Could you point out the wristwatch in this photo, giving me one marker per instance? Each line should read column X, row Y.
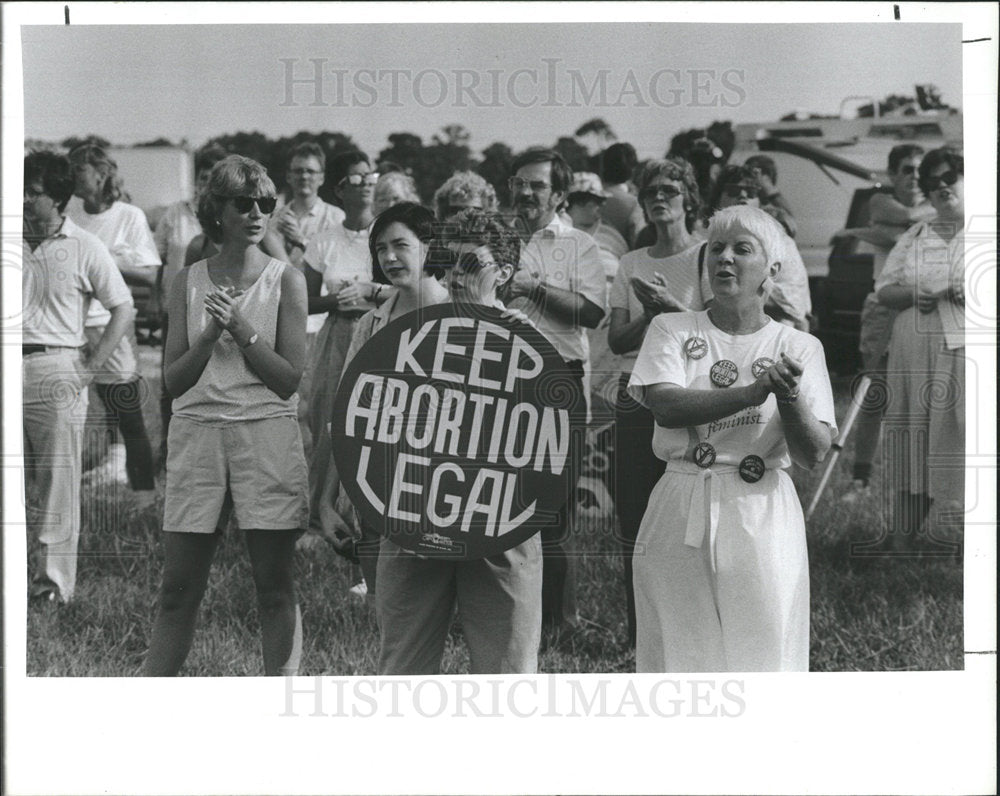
column 251, row 341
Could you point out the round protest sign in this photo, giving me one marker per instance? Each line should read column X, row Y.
column 451, row 432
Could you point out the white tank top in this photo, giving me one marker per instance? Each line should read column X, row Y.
column 228, row 389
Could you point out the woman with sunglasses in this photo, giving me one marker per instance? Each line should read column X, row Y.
column 399, row 245
column 234, row 357
column 341, row 285
column 924, row 278
column 666, row 277
column 789, row 302
column 499, row 598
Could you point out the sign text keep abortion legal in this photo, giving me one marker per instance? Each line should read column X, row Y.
column 451, row 431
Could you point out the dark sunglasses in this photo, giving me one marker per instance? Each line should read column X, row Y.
column 735, row 190
column 654, row 191
column 357, row 180
column 932, row 183
column 244, row 204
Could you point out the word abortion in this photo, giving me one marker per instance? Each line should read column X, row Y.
column 437, row 428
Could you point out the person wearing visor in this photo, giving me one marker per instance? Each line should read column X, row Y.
column 722, row 582
column 924, row 279
column 234, row 359
column 583, row 205
column 498, row 598
column 790, row 302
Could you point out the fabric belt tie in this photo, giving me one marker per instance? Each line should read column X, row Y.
column 703, row 515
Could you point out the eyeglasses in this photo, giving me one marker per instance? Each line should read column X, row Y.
column 244, row 204
column 357, row 180
column 735, row 190
column 908, row 171
column 304, row 172
column 517, row 184
column 934, row 182
column 466, row 261
column 655, row 191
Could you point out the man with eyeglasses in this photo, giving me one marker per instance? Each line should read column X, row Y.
column 560, row 285
column 306, row 214
column 890, row 214
column 64, row 269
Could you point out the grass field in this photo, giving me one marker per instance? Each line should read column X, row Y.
column 868, row 613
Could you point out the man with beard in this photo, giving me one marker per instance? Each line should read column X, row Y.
column 559, row 284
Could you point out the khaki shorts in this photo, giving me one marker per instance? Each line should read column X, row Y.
column 255, row 466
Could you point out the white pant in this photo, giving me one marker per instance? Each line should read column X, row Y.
column 55, row 409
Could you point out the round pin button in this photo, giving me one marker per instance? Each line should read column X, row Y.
column 695, row 347
column 704, row 454
column 723, row 373
column 760, row 366
column 751, row 469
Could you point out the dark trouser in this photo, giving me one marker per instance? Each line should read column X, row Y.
column 166, row 401
column 123, row 407
column 636, row 472
column 558, row 563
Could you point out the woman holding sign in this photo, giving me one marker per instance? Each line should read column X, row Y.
column 398, row 242
column 721, row 574
column 234, row 355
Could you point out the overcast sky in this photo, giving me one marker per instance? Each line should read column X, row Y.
column 522, row 84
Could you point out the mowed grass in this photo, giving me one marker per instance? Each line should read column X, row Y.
column 869, row 613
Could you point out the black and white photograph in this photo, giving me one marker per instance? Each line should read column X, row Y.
column 531, row 365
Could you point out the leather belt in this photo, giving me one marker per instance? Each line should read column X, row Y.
column 27, row 349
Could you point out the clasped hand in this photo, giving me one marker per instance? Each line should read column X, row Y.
column 782, row 378
column 226, row 314
column 654, row 295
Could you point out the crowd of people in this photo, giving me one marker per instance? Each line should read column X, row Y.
column 696, row 278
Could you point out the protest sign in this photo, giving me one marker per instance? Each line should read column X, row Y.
column 451, row 431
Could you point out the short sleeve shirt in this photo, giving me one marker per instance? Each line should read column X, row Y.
column 924, row 260
column 58, row 281
column 321, row 217
column 124, row 230
column 569, row 259
column 340, row 255
column 685, row 280
column 687, row 350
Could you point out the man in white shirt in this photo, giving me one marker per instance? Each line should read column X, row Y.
column 64, row 267
column 560, row 286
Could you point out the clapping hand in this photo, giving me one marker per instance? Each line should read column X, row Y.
column 352, row 292
column 289, row 228
column 654, row 295
column 222, row 308
column 784, row 377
